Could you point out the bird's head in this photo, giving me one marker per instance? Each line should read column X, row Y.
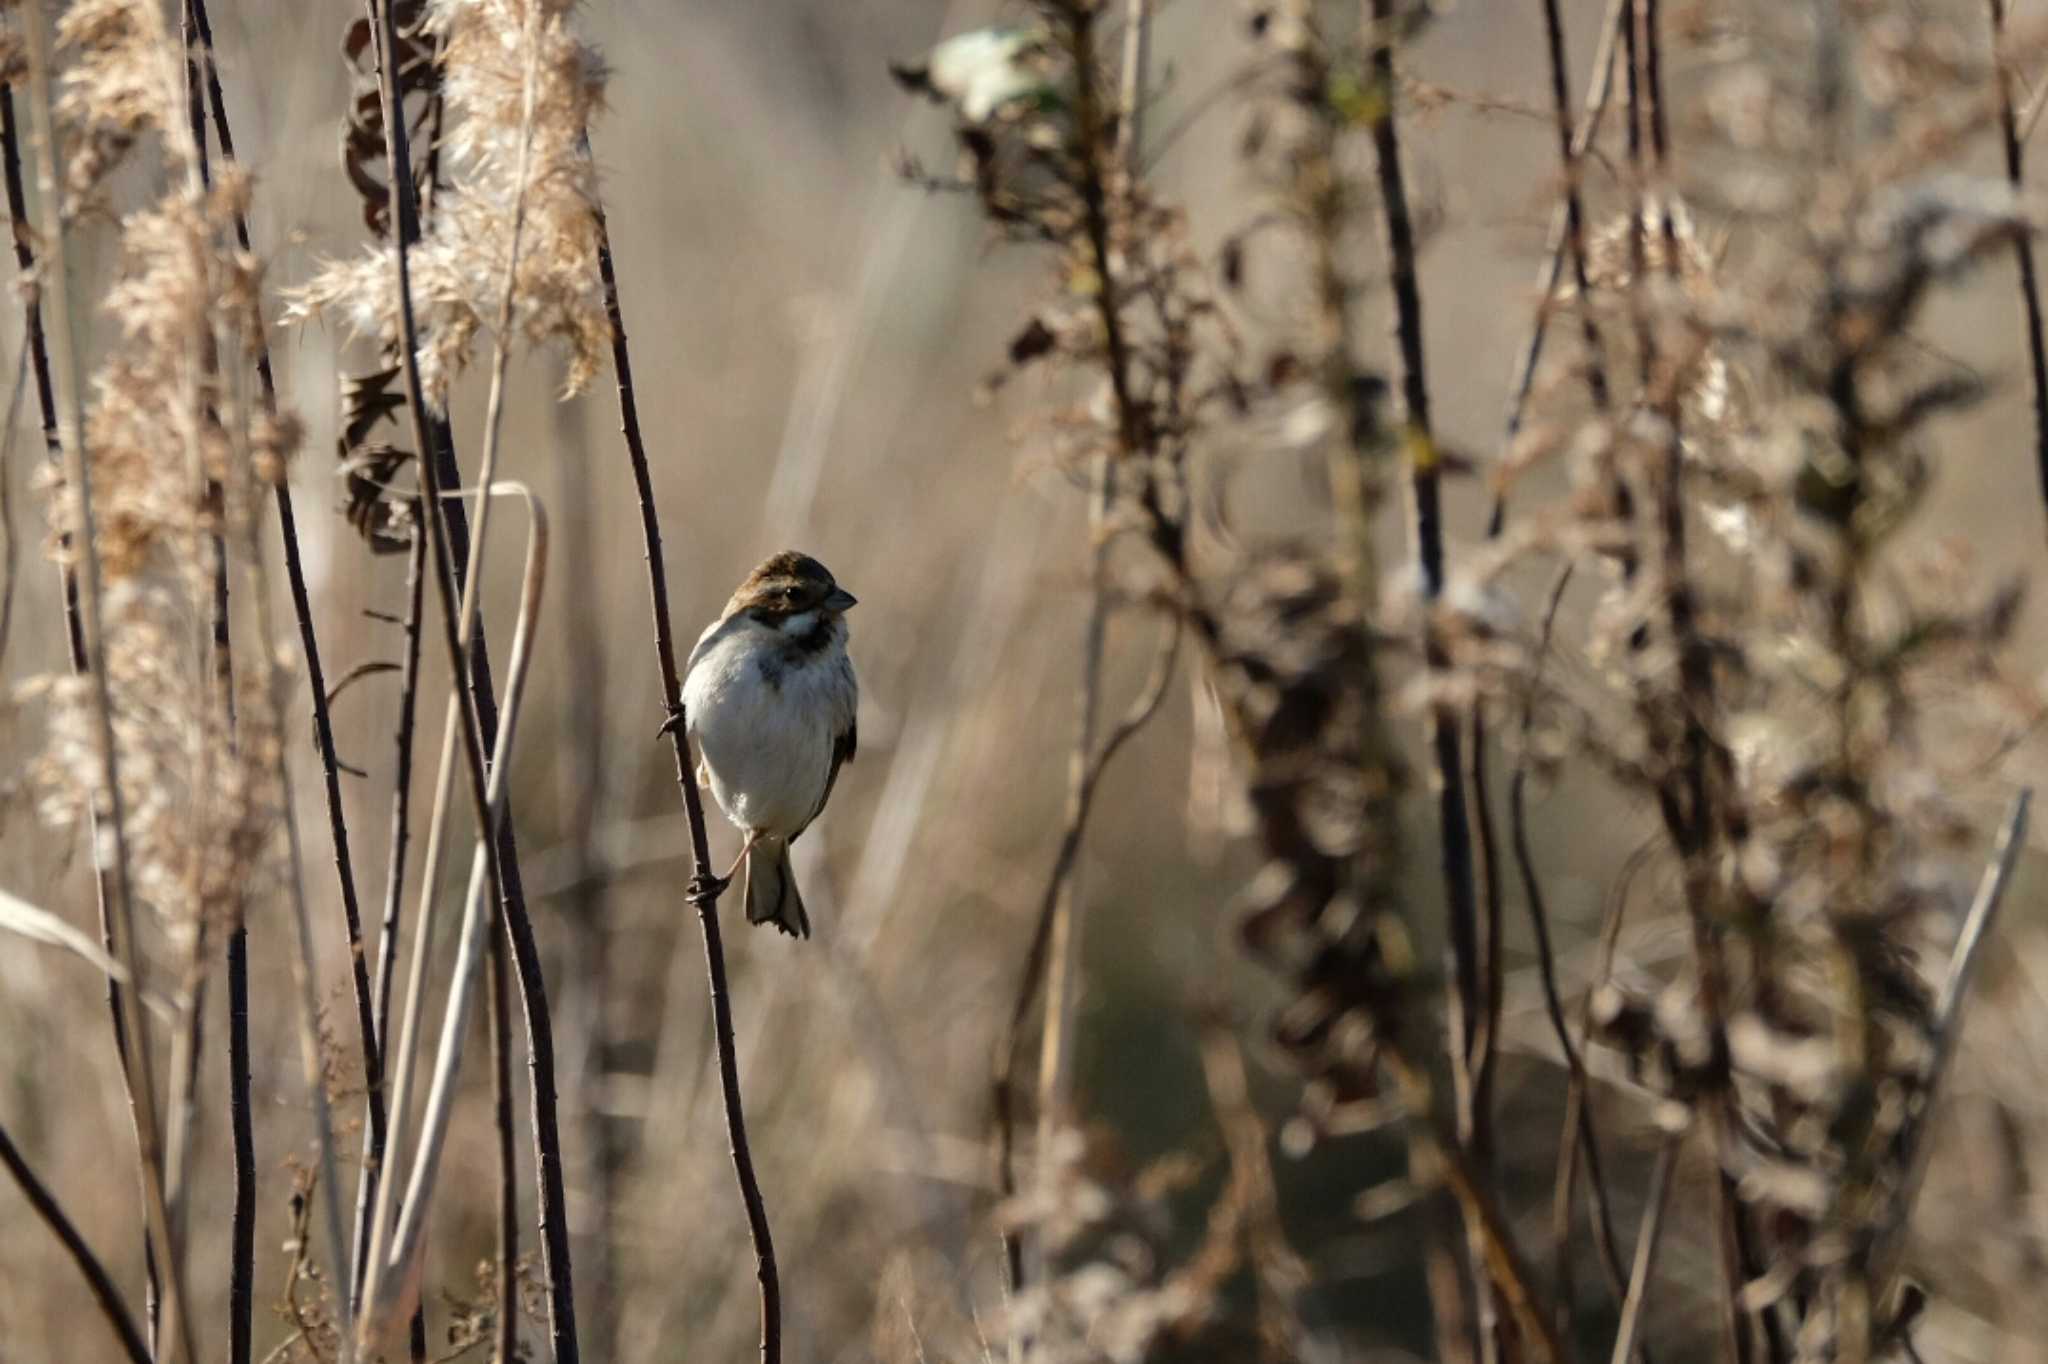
column 791, row 592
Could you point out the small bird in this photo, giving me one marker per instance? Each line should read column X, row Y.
column 769, row 698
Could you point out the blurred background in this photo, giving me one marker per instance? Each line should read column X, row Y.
column 809, row 335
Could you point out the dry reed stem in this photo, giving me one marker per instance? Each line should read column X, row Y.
column 271, row 683
column 120, row 908
column 456, row 719
column 35, row 345
column 2012, row 145
column 1418, row 443
column 309, row 643
column 7, row 528
column 703, row 890
column 394, row 875
column 242, row 1262
column 395, row 1252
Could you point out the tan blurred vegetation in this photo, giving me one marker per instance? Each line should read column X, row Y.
column 810, row 334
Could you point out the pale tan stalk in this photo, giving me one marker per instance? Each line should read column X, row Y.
column 408, row 1037
column 176, row 1330
column 392, row 1273
column 183, row 1073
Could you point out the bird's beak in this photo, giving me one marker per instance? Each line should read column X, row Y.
column 841, row 600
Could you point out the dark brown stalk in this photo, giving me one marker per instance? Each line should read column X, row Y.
column 32, row 327
column 447, row 535
column 702, row 893
column 201, row 27
column 61, row 1226
column 1567, row 229
column 242, row 1224
column 394, row 885
column 506, row 1347
column 2022, row 245
column 1453, row 819
column 224, row 685
column 581, row 760
column 1492, row 951
column 1429, row 530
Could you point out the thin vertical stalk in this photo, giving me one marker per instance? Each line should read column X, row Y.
column 506, row 1348
column 1419, row 442
column 703, row 894
column 394, row 882
column 1567, row 228
column 242, row 1224
column 269, row 684
column 77, row 491
column 302, row 611
column 2022, row 244
column 186, row 1048
column 242, row 1269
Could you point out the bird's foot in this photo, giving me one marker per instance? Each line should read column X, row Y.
column 673, row 723
column 705, row 889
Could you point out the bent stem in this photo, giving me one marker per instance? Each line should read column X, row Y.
column 394, row 885
column 394, row 1255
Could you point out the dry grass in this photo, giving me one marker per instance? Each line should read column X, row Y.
column 1317, row 1096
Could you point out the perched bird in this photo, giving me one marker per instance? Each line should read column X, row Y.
column 769, row 698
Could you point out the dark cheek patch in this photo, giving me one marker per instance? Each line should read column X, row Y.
column 817, row 639
column 772, row 668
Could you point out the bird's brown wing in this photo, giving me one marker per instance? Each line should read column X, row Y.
column 843, row 746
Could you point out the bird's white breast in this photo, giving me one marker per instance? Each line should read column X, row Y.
column 764, row 718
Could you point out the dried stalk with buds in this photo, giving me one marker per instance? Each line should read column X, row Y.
column 703, row 890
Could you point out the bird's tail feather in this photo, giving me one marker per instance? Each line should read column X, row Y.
column 771, row 889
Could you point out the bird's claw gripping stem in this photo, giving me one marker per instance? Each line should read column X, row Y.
column 705, row 889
